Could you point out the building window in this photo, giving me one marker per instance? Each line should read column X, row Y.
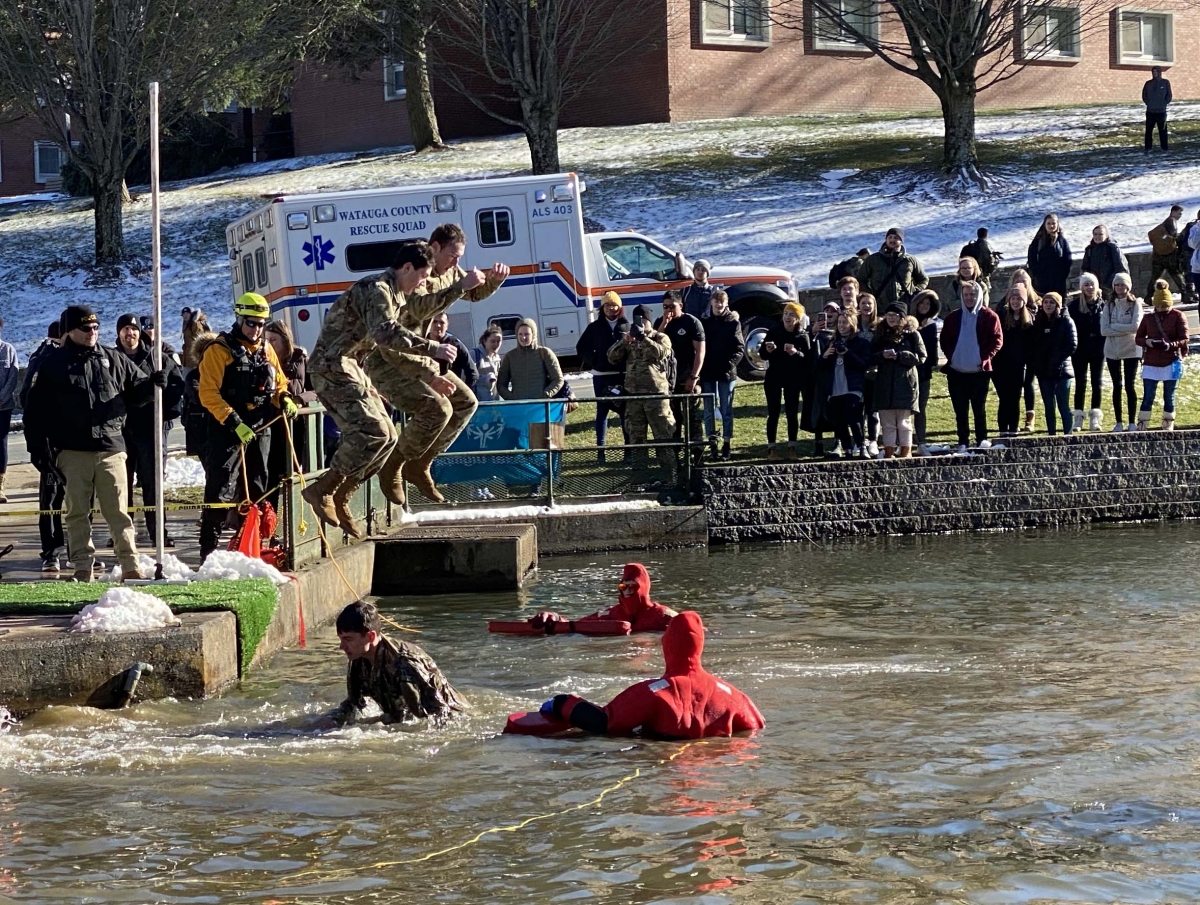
column 841, row 32
column 47, row 161
column 494, row 227
column 393, row 81
column 1147, row 37
column 1051, row 33
column 736, row 20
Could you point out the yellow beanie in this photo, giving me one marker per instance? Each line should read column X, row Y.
column 1162, row 295
column 611, row 296
column 795, row 309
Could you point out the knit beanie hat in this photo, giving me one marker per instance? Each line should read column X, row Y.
column 126, row 320
column 1162, row 296
column 1124, row 279
column 795, row 309
column 611, row 296
column 76, row 316
column 895, row 308
column 641, row 312
column 702, row 263
column 896, row 230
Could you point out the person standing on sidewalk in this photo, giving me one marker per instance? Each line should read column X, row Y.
column 77, row 404
column 1156, row 95
column 9, row 373
column 50, row 485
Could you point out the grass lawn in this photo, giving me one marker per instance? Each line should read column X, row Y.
column 252, row 600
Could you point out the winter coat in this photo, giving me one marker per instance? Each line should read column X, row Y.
column 896, row 380
column 529, row 372
column 47, row 346
column 295, row 369
column 1105, row 260
column 1193, row 241
column 1054, row 342
column 723, row 346
column 987, row 331
column 857, row 359
column 1174, row 331
column 1119, row 322
column 595, row 341
column 696, row 299
column 645, row 362
column 847, row 268
column 1013, row 354
column 488, row 368
column 10, row 373
column 929, row 339
column 785, row 369
column 1087, row 329
column 1156, row 94
column 1049, row 265
column 140, row 418
column 464, row 367
column 892, row 276
column 79, row 398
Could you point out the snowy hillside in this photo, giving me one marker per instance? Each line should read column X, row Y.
column 734, row 191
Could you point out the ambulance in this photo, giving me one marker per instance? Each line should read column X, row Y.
column 302, row 251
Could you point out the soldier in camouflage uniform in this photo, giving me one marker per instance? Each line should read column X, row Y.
column 400, row 677
column 365, row 316
column 437, row 402
column 646, row 375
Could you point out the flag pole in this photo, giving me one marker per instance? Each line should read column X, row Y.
column 156, row 281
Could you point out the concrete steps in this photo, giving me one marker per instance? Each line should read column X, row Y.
column 1042, row 482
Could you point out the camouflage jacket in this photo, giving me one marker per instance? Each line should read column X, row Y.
column 404, row 681
column 645, row 363
column 366, row 315
column 437, row 294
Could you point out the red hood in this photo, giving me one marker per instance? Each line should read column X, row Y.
column 683, row 644
column 635, row 574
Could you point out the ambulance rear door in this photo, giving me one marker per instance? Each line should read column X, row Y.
column 307, row 257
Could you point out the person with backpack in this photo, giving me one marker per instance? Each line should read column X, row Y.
column 1169, row 252
column 985, row 256
column 531, row 370
column 847, row 268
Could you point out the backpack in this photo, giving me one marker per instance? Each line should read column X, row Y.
column 981, row 251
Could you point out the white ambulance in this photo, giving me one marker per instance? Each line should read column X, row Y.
column 302, row 251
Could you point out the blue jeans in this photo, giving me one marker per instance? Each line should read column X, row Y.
column 1056, row 390
column 1150, row 387
column 602, row 385
column 723, row 390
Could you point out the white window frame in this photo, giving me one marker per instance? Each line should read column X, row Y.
column 1142, row 59
column 1031, row 51
column 38, row 176
column 728, row 35
column 823, row 43
column 390, row 71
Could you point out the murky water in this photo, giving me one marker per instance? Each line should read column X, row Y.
column 991, row 719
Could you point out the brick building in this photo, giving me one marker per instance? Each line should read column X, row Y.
column 30, row 161
column 720, row 58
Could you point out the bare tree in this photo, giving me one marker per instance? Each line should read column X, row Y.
column 521, row 61
column 956, row 47
column 82, row 66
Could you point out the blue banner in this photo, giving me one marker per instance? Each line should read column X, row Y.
column 500, row 428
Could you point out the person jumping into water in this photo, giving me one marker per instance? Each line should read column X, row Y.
column 687, row 702
column 633, row 605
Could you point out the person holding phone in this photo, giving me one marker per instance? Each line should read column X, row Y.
column 1163, row 333
column 786, row 348
column 843, row 360
column 897, row 351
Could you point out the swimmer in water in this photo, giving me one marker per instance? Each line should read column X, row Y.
column 400, row 677
column 633, row 605
column 687, row 702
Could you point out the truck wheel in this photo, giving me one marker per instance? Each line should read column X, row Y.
column 751, row 367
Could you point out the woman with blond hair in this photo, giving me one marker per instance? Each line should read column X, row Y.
column 968, row 272
column 1084, row 310
column 1104, row 258
column 897, row 351
column 1119, row 321
column 1163, row 333
column 868, row 320
column 1054, row 341
column 844, row 356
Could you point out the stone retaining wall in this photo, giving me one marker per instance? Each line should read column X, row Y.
column 1034, row 483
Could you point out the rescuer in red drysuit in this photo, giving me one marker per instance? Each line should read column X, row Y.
column 633, row 605
column 687, row 702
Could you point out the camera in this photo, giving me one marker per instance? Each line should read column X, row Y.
column 637, row 331
column 839, row 344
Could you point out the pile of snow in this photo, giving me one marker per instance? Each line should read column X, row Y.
column 456, row 515
column 6, row 719
column 172, row 567
column 229, row 564
column 123, row 610
column 183, row 471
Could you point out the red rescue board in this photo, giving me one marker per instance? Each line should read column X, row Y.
column 535, row 723
column 588, row 627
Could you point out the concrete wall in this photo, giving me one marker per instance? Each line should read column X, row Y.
column 1035, row 483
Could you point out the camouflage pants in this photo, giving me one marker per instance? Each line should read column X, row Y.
column 368, row 435
column 656, row 415
column 434, row 421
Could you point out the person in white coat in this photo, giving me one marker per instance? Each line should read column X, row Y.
column 1119, row 320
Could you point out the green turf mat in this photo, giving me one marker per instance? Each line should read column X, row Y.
column 252, row 600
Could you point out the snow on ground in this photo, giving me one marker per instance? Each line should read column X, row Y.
column 173, row 567
column 456, row 515
column 123, row 610
column 733, row 191
column 229, row 564
column 183, row 471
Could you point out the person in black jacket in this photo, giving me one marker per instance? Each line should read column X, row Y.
column 138, row 432
column 1054, row 342
column 926, row 306
column 985, row 256
column 1049, row 261
column 462, row 367
column 847, row 268
column 592, row 348
column 1104, row 258
column 843, row 358
column 787, row 350
column 1011, row 362
column 77, row 404
column 697, row 297
column 1089, row 354
column 897, row 351
column 724, row 348
column 50, row 486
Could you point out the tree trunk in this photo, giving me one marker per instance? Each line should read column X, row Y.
column 110, row 237
column 958, row 117
column 418, row 97
column 541, row 131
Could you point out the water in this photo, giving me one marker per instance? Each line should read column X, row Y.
column 991, row 719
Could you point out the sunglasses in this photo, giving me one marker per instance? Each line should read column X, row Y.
column 257, row 325
column 89, row 328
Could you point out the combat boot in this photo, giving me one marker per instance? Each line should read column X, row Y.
column 390, row 480
column 417, row 474
column 319, row 495
column 341, row 506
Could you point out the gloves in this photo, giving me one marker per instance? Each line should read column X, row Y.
column 159, row 379
column 244, row 433
column 290, row 409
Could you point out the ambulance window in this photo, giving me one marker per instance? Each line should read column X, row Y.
column 260, row 264
column 495, row 227
column 507, row 325
column 248, row 272
column 637, row 259
column 372, row 256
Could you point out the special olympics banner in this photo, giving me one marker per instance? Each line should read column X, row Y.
column 500, row 428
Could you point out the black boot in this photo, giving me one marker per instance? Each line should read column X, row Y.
column 712, row 448
column 726, row 455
